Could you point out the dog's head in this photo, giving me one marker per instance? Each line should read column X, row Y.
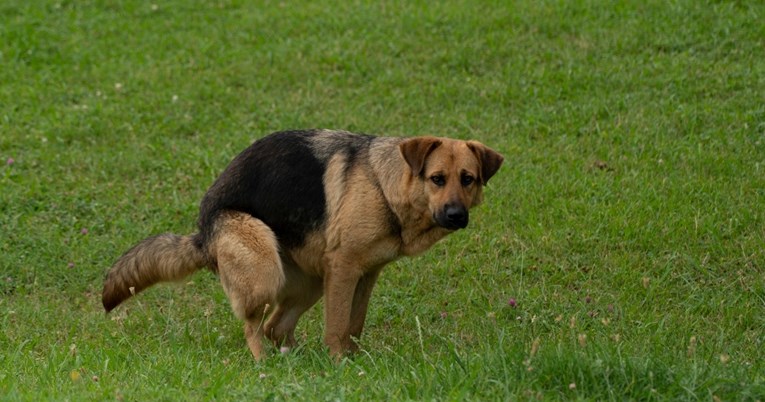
column 453, row 174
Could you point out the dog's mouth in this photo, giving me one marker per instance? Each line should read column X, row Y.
column 452, row 217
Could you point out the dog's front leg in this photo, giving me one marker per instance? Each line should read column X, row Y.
column 340, row 282
column 361, row 302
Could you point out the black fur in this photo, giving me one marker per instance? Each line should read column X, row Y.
column 279, row 180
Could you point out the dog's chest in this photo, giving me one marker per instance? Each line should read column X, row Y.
column 314, row 257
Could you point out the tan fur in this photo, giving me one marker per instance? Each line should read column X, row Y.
column 388, row 204
column 250, row 271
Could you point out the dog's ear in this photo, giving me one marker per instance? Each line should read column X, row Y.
column 416, row 150
column 490, row 160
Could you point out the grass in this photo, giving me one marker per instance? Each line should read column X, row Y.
column 627, row 223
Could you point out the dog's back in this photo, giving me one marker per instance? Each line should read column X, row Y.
column 279, row 180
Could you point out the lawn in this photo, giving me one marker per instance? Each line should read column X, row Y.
column 620, row 252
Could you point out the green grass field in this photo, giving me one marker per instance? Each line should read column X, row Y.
column 619, row 253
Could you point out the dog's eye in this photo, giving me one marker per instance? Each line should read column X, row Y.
column 467, row 180
column 438, row 180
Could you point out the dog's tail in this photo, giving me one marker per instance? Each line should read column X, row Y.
column 161, row 258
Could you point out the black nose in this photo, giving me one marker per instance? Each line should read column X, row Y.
column 457, row 216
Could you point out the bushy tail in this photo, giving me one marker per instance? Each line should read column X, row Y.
column 165, row 257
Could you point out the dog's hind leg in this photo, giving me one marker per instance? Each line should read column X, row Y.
column 302, row 294
column 250, row 270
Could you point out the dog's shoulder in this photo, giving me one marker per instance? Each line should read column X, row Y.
column 326, row 144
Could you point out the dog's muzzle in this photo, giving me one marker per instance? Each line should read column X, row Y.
column 452, row 217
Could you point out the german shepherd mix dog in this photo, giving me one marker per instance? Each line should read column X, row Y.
column 301, row 214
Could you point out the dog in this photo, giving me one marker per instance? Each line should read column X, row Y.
column 301, row 214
